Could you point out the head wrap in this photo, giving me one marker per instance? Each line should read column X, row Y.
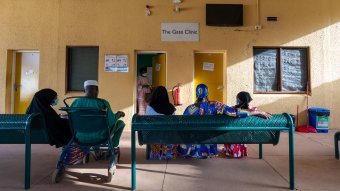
column 160, row 101
column 45, row 97
column 59, row 133
column 201, row 91
column 90, row 83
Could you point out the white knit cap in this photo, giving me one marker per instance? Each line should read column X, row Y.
column 90, row 83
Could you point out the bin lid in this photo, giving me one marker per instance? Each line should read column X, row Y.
column 318, row 110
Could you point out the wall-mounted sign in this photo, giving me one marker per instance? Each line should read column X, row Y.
column 180, row 32
column 116, row 63
column 208, row 66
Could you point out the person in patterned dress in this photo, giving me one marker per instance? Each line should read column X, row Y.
column 143, row 88
column 239, row 150
column 160, row 105
column 203, row 106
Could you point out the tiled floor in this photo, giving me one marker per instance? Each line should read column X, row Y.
column 316, row 169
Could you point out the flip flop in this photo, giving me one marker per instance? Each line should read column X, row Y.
column 311, row 129
column 302, row 128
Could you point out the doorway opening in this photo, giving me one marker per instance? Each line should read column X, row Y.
column 151, row 72
column 209, row 70
column 22, row 79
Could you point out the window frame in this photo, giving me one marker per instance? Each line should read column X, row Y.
column 279, row 60
column 67, row 71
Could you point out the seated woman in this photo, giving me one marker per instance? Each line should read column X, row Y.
column 239, row 150
column 203, row 106
column 160, row 105
column 58, row 130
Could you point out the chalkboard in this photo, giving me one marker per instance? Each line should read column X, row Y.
column 294, row 69
column 266, row 72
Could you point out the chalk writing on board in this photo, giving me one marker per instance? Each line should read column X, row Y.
column 294, row 76
column 266, row 73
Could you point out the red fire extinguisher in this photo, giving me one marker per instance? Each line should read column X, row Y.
column 176, row 94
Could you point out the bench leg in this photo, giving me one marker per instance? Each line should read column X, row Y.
column 260, row 151
column 27, row 158
column 133, row 160
column 148, row 150
column 336, row 144
column 291, row 158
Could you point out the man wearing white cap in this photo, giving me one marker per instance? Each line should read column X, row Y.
column 116, row 125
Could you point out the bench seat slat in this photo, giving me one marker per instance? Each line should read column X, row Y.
column 201, row 137
column 13, row 121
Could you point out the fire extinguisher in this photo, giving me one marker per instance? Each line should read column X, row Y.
column 176, row 94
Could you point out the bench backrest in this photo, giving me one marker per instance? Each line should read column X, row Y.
column 210, row 129
column 12, row 128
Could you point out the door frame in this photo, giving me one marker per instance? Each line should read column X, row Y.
column 224, row 72
column 136, row 72
column 14, row 73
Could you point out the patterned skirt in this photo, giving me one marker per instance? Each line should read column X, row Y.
column 163, row 151
column 198, row 150
column 236, row 150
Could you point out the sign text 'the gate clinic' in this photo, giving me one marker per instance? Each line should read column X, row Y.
column 180, row 32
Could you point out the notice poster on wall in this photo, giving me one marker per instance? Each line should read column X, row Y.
column 158, row 67
column 116, row 63
column 208, row 66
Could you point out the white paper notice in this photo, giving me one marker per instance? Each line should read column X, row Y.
column 116, row 63
column 208, row 66
column 158, row 67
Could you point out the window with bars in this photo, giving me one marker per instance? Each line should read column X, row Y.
column 281, row 70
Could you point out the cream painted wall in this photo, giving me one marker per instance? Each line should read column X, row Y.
column 120, row 27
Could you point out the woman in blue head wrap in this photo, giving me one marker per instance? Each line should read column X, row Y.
column 203, row 106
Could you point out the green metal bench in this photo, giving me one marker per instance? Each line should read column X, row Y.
column 336, row 144
column 209, row 129
column 23, row 129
